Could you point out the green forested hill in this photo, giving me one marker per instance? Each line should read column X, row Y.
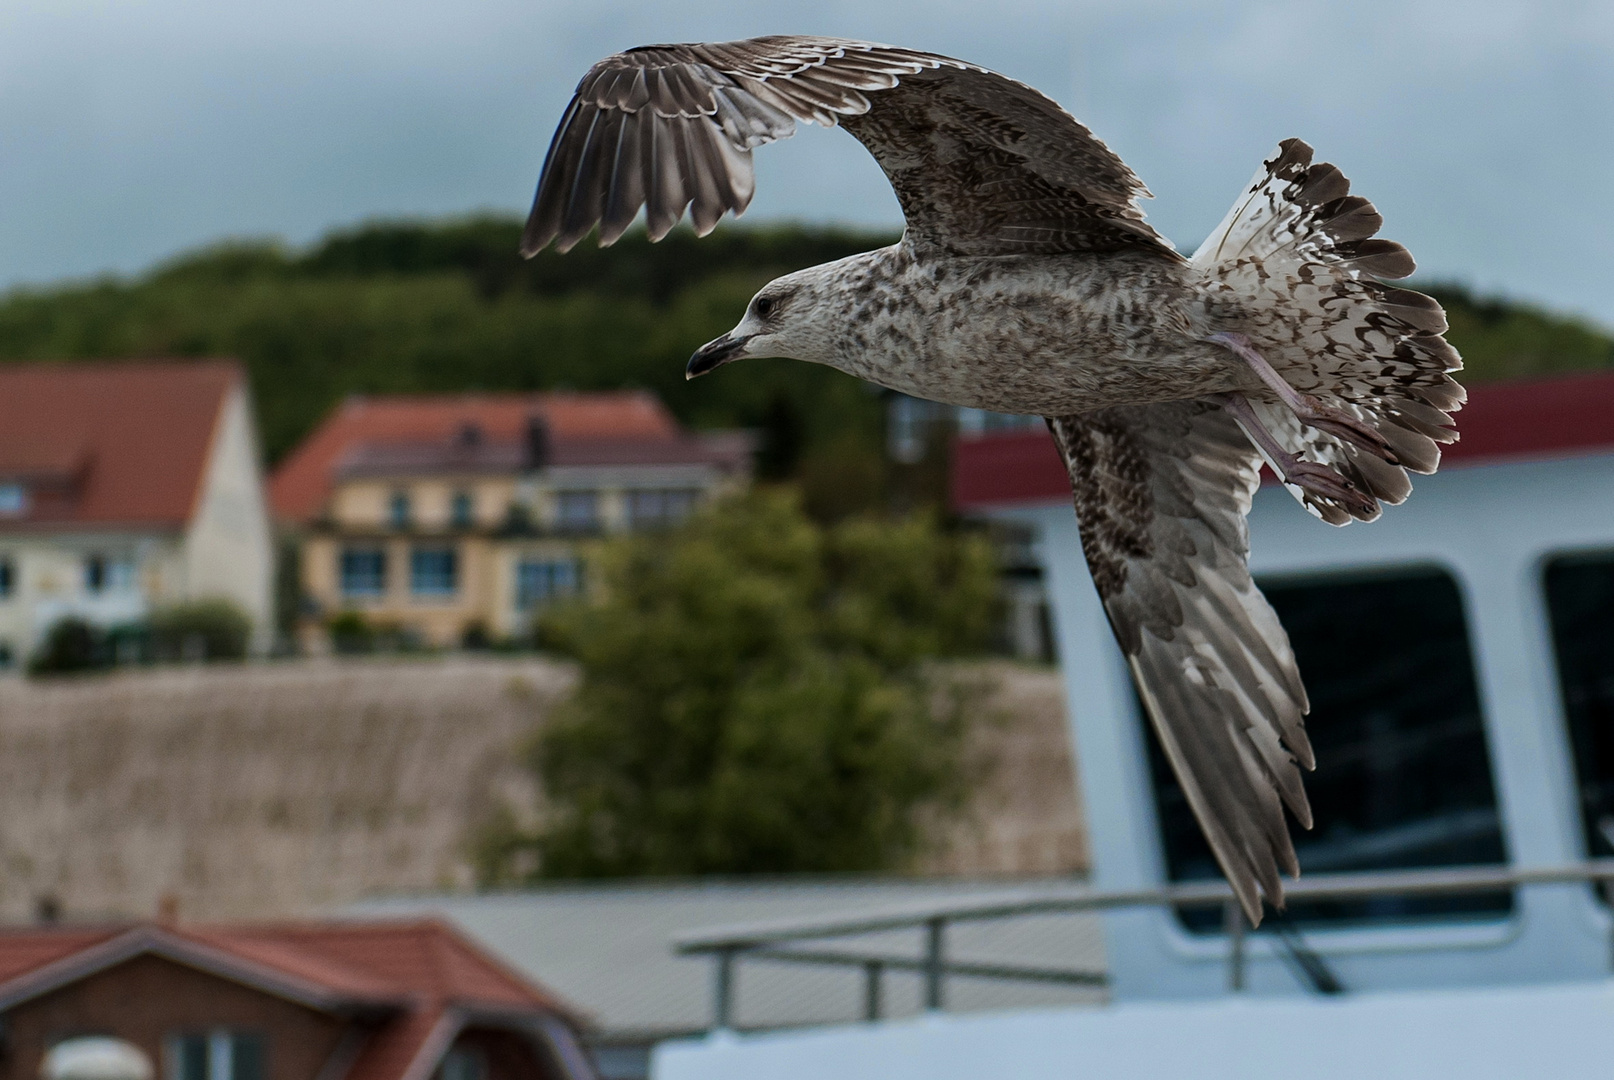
column 449, row 306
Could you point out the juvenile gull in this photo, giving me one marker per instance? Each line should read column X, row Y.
column 1027, row 281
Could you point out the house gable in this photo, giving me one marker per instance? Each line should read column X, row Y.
column 148, row 999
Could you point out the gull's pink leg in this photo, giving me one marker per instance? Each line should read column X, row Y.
column 1310, row 411
column 1318, row 479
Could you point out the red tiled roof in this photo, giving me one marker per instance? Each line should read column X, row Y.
column 1567, row 416
column 131, row 439
column 421, row 968
column 299, row 487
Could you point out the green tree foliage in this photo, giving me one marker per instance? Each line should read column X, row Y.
column 71, row 646
column 755, row 698
column 1501, row 340
column 213, row 629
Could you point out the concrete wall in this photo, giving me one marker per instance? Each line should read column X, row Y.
column 271, row 789
column 258, row 790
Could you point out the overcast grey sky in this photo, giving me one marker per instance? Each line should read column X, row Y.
column 131, row 129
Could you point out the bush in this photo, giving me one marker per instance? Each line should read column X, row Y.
column 72, row 645
column 199, row 630
column 351, row 633
column 755, row 698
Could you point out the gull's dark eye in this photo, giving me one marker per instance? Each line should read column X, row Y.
column 765, row 306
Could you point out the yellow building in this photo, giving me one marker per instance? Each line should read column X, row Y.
column 446, row 518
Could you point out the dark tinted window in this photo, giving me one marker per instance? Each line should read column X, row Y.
column 462, row 510
column 1403, row 777
column 363, row 571
column 433, row 571
column 1580, row 602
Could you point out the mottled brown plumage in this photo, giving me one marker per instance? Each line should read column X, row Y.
column 1027, row 281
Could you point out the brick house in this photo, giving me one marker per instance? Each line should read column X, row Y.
column 437, row 515
column 398, row 1000
column 125, row 487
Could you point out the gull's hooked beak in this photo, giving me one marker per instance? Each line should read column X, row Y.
column 714, row 354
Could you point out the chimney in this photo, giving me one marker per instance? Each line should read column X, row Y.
column 168, row 909
column 538, row 447
column 47, row 909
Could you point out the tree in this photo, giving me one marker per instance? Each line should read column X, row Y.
column 755, row 697
column 209, row 629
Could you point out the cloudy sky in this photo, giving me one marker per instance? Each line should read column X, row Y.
column 131, row 129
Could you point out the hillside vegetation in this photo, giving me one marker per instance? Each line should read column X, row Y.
column 449, row 306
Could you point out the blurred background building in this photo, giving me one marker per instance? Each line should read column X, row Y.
column 293, row 1001
column 126, row 488
column 456, row 518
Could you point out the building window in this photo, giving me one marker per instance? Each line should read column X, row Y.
column 1580, row 605
column 542, row 581
column 13, row 500
column 398, row 513
column 97, row 1056
column 463, row 1063
column 462, row 510
column 8, row 577
column 579, row 511
column 434, row 571
column 364, row 571
column 217, row 1055
column 1403, row 774
column 658, row 509
column 103, row 574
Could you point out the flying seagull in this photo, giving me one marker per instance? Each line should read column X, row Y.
column 1027, row 281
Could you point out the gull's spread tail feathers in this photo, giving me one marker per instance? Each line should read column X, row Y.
column 1295, row 266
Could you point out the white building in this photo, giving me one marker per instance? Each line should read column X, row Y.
column 126, row 487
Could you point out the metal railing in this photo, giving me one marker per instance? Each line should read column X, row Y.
column 782, row 941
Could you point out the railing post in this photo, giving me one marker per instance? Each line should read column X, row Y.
column 723, row 989
column 872, row 971
column 935, row 940
column 1233, row 924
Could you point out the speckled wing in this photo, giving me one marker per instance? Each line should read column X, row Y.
column 1161, row 496
column 982, row 165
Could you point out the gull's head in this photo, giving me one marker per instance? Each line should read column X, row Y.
column 793, row 316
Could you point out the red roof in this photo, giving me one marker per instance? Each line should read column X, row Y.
column 301, row 484
column 1568, row 416
column 427, row 976
column 116, row 444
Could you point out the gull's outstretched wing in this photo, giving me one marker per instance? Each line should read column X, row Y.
column 982, row 165
column 1161, row 496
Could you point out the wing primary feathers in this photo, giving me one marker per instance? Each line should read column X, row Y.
column 1161, row 495
column 670, row 127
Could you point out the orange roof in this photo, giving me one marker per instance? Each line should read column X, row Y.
column 114, row 444
column 427, row 974
column 301, row 484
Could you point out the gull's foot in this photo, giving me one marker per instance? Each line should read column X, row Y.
column 1326, row 483
column 1309, row 410
column 1343, row 425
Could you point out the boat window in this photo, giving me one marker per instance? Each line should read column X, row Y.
column 1580, row 604
column 1403, row 775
